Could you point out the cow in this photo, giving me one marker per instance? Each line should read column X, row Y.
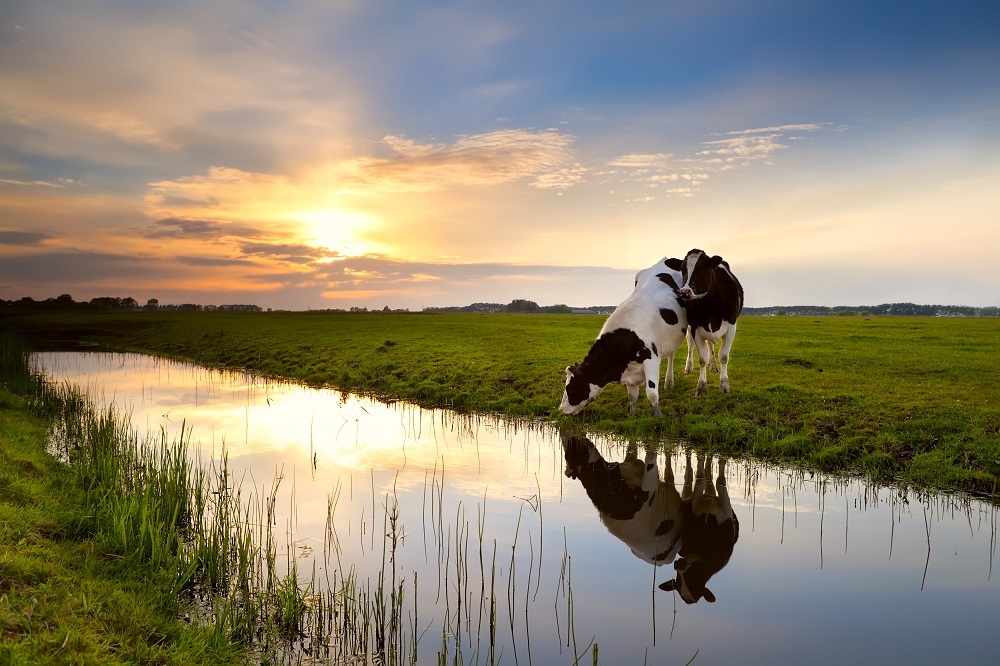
column 634, row 505
column 709, row 535
column 664, row 272
column 649, row 325
column 713, row 300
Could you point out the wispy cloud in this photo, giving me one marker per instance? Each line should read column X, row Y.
column 132, row 130
column 671, row 175
column 503, row 156
column 23, row 237
column 34, row 183
column 755, row 144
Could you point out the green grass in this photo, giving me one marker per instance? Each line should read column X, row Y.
column 910, row 399
column 65, row 595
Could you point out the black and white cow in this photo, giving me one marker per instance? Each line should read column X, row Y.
column 709, row 535
column 713, row 299
column 633, row 503
column 649, row 325
column 664, row 272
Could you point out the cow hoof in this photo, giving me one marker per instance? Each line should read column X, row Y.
column 657, row 413
column 701, row 390
column 724, row 388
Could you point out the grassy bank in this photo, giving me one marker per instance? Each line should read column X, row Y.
column 67, row 593
column 108, row 539
column 893, row 398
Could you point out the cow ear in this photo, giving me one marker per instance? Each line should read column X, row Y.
column 668, row 586
column 714, row 262
column 709, row 597
column 681, row 565
column 569, row 371
column 675, row 264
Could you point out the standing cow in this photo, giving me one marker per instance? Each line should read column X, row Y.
column 713, row 299
column 633, row 503
column 709, row 535
column 649, row 325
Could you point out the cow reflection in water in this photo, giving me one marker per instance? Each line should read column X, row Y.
column 709, row 535
column 634, row 504
column 696, row 526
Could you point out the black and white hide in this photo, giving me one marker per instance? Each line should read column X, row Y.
column 713, row 300
column 648, row 326
column 664, row 272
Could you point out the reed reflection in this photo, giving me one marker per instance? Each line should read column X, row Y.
column 696, row 529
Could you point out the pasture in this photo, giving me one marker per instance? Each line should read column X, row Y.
column 896, row 399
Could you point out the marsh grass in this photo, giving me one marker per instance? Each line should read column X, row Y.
column 70, row 591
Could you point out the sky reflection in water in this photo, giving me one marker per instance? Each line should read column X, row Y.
column 824, row 570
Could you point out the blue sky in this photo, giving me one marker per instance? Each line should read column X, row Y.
column 336, row 154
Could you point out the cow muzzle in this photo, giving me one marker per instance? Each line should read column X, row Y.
column 687, row 294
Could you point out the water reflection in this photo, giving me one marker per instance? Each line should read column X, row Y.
column 709, row 534
column 653, row 519
column 499, row 554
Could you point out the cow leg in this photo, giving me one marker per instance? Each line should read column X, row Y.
column 722, row 489
column 633, row 397
column 709, row 489
column 704, row 351
column 727, row 344
column 689, row 365
column 668, row 376
column 651, row 367
column 699, row 484
column 688, row 477
column 713, row 361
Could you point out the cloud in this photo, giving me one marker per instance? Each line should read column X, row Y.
column 755, row 144
column 173, row 227
column 23, row 237
column 31, row 183
column 290, row 252
column 640, row 160
column 662, row 171
column 175, row 81
column 491, row 158
column 132, row 130
column 213, row 261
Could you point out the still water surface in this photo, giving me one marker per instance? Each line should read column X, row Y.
column 560, row 537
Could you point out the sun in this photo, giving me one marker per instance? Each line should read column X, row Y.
column 340, row 230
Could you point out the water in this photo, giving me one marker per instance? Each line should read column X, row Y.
column 823, row 570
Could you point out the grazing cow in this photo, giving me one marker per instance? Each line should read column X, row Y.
column 647, row 326
column 710, row 531
column 713, row 299
column 633, row 503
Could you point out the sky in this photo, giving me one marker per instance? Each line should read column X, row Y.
column 318, row 154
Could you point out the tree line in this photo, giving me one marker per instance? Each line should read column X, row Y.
column 898, row 309
column 66, row 303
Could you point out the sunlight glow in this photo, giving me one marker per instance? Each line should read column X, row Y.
column 340, row 230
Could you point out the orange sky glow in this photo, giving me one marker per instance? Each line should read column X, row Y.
column 207, row 153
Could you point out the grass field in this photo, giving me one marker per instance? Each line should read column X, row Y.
column 909, row 399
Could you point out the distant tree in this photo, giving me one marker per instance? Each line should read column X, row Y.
column 152, row 304
column 560, row 308
column 521, row 305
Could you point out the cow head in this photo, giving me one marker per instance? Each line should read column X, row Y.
column 696, row 270
column 579, row 392
column 691, row 581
